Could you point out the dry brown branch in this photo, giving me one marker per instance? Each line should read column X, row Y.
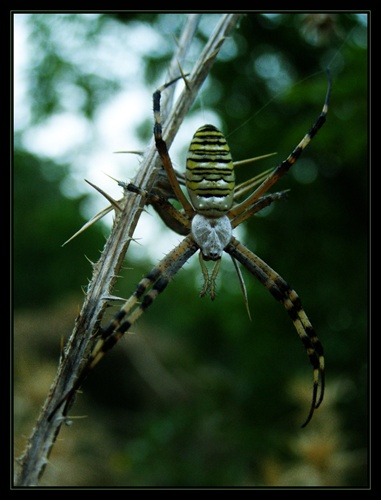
column 82, row 340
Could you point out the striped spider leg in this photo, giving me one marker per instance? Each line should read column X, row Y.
column 207, row 222
column 282, row 292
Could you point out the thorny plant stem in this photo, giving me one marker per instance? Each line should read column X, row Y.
column 82, row 340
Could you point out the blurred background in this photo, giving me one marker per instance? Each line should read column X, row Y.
column 199, row 395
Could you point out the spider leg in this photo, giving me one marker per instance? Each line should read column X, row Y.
column 279, row 288
column 285, row 165
column 257, row 206
column 245, row 186
column 243, row 286
column 147, row 289
column 163, row 150
column 157, row 279
column 172, row 218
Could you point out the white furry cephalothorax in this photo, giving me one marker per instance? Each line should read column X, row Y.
column 211, row 235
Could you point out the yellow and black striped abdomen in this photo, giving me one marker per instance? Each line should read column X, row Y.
column 210, row 173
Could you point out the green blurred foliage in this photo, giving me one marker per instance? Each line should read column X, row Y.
column 201, row 396
column 43, row 218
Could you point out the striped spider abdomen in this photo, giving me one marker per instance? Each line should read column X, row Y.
column 210, row 178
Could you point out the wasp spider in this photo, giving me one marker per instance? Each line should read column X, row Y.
column 207, row 221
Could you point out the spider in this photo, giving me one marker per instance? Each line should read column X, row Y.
column 207, row 221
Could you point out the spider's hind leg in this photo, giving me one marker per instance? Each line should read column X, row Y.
column 281, row 291
column 147, row 290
